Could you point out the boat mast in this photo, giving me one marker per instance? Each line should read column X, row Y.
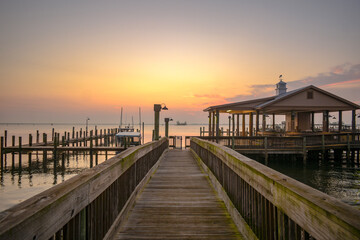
column 121, row 117
column 140, row 119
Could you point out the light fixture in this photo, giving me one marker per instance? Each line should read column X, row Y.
column 163, row 107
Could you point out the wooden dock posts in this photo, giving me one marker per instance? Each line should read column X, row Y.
column 73, row 141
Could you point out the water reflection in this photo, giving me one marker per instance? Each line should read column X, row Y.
column 339, row 178
column 29, row 174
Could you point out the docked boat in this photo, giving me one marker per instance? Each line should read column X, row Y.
column 128, row 137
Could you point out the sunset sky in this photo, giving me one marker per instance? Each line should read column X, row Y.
column 63, row 61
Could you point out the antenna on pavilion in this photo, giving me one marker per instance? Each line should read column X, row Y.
column 132, row 121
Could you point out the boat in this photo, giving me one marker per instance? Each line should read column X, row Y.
column 127, row 136
column 181, row 123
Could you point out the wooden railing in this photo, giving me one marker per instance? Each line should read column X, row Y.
column 87, row 206
column 270, row 205
column 288, row 142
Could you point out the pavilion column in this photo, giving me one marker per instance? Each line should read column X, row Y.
column 209, row 123
column 238, row 125
column 273, row 121
column 257, row 123
column 293, row 121
column 340, row 121
column 243, row 125
column 213, row 124
column 233, row 125
column 217, row 123
column 326, row 121
column 263, row 123
column 251, row 124
column 313, row 121
column 353, row 121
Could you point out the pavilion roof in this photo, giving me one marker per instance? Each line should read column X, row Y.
column 289, row 101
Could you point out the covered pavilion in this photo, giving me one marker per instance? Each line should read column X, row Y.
column 299, row 107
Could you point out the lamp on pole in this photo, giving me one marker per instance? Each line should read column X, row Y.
column 167, row 126
column 87, row 123
column 157, row 109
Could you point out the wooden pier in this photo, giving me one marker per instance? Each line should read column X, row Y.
column 303, row 145
column 178, row 203
column 150, row 192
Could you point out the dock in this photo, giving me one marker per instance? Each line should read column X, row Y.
column 307, row 145
column 178, row 203
column 207, row 192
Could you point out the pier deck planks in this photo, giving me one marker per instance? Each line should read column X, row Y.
column 178, row 203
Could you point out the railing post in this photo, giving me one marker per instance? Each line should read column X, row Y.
column 233, row 142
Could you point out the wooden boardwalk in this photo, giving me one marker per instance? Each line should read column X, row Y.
column 178, row 203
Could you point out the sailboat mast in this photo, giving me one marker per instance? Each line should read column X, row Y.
column 121, row 117
column 140, row 119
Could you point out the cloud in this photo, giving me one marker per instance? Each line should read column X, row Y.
column 342, row 79
column 337, row 75
column 255, row 91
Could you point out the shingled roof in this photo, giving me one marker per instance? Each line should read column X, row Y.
column 292, row 100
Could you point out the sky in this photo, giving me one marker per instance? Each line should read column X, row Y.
column 64, row 61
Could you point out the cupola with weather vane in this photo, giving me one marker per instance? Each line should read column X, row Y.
column 280, row 86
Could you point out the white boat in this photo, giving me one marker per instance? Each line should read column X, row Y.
column 128, row 138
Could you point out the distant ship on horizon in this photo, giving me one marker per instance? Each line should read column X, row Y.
column 181, row 123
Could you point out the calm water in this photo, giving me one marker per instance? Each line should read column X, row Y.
column 337, row 178
column 340, row 180
column 18, row 184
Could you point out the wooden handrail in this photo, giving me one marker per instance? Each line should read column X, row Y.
column 273, row 204
column 85, row 206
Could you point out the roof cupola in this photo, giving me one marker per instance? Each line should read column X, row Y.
column 280, row 87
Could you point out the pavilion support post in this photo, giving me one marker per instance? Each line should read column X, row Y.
column 251, row 124
column 340, row 121
column 326, row 121
column 213, row 127
column 233, row 125
column 209, row 123
column 237, row 124
column 263, row 123
column 257, row 123
column 353, row 121
column 217, row 126
column 313, row 121
column 293, row 121
column 243, row 125
column 273, row 122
